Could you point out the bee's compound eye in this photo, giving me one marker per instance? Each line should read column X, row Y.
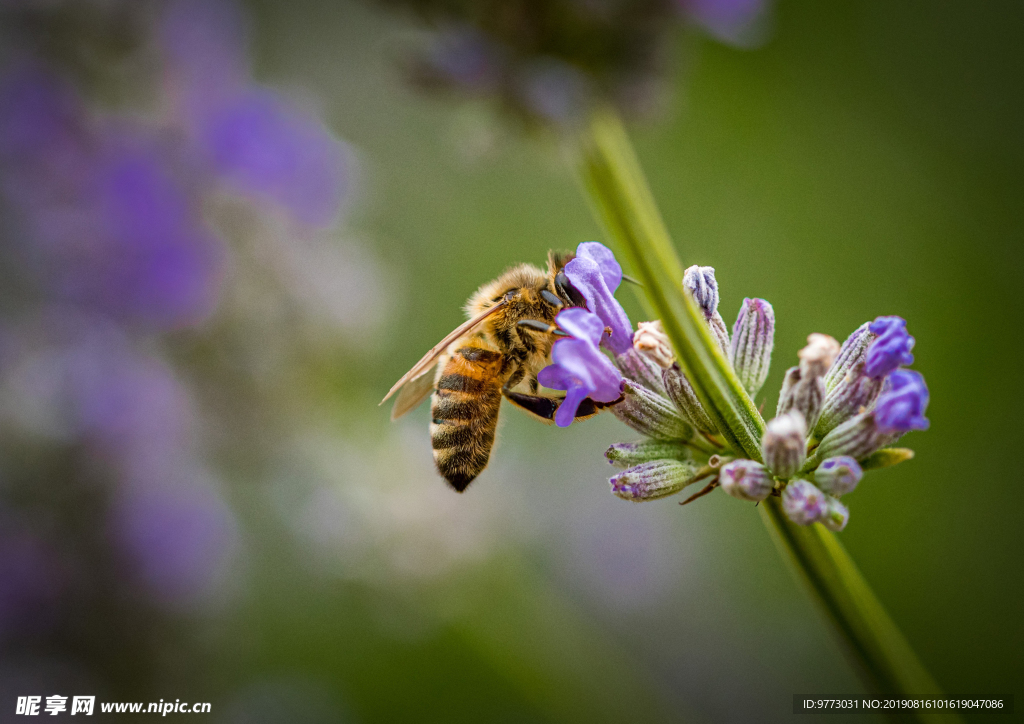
column 569, row 291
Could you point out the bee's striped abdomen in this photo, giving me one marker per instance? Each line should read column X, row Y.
column 464, row 408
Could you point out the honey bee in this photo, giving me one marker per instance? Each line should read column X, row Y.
column 496, row 353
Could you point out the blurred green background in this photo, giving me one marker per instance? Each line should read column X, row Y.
column 868, row 159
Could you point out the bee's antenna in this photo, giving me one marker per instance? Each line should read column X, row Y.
column 631, row 280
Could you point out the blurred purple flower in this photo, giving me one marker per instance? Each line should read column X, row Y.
column 891, row 348
column 728, row 20
column 596, row 275
column 110, row 222
column 204, row 44
column 178, row 534
column 579, row 366
column 30, row 582
column 264, row 146
column 131, row 244
column 37, row 113
column 555, row 90
column 901, row 406
column 464, row 57
column 254, row 139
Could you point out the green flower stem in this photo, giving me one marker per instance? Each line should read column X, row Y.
column 622, row 200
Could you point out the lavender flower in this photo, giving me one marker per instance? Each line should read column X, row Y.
column 838, row 475
column 784, row 444
column 579, row 366
column 853, row 351
column 178, row 535
column 699, row 282
column 803, row 503
column 854, row 394
column 462, row 57
column 682, row 441
column 260, row 144
column 628, row 454
column 804, row 388
column 836, row 515
column 653, row 480
column 746, row 480
column 265, row 147
column 899, row 409
column 596, row 275
column 733, row 21
column 750, row 352
column 902, row 404
column 890, row 349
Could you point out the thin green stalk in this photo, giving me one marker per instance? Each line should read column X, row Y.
column 622, row 200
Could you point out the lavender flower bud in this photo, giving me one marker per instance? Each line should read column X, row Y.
column 857, row 438
column 752, row 339
column 819, row 354
column 627, row 454
column 891, row 348
column 852, row 395
column 651, row 414
column 700, row 283
column 853, row 351
column 839, row 475
column 785, row 444
column 640, row 368
column 651, row 341
column 746, row 480
column 836, row 515
column 804, row 388
column 680, row 391
column 803, row 503
column 652, row 480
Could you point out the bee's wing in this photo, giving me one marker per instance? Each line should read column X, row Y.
column 430, row 358
column 413, row 393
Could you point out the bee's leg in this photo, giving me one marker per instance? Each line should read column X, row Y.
column 551, row 299
column 544, row 408
column 541, row 327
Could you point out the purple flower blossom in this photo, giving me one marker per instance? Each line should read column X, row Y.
column 465, row 57
column 753, row 336
column 32, row 581
column 178, row 536
column 804, row 504
column 901, row 406
column 131, row 243
column 838, row 475
column 746, row 480
column 700, row 282
column 259, row 143
column 891, row 349
column 596, row 275
column 266, row 147
column 579, row 366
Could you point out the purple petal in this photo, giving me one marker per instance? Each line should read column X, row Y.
column 891, row 349
column 605, row 259
column 581, row 324
column 902, row 404
column 567, row 410
column 587, row 276
column 267, row 148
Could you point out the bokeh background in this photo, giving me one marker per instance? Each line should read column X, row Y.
column 228, row 228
